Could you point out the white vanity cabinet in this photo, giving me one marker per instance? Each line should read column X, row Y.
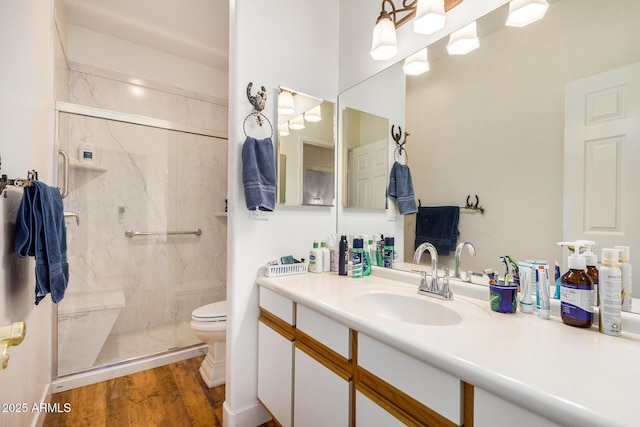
column 275, row 355
column 492, row 411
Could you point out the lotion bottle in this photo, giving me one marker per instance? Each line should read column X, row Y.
column 326, row 256
column 315, row 259
column 610, row 289
column 625, row 269
column 576, row 294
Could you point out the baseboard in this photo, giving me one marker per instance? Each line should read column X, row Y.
column 253, row 415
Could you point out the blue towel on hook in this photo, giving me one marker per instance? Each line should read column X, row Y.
column 401, row 187
column 259, row 174
column 41, row 233
column 438, row 225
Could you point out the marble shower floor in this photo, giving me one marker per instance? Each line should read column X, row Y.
column 121, row 347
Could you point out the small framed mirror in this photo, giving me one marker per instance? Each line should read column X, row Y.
column 306, row 150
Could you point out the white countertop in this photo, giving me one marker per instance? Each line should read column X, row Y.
column 570, row 375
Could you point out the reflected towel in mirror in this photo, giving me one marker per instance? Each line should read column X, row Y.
column 438, row 225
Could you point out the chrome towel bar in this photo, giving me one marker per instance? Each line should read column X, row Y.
column 131, row 233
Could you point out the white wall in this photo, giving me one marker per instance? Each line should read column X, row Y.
column 26, row 120
column 293, row 44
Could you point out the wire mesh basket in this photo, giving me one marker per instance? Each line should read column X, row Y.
column 285, row 269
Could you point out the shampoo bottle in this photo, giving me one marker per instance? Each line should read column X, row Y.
column 388, row 252
column 380, row 251
column 372, row 252
column 357, row 266
column 610, row 289
column 326, row 257
column 576, row 294
column 85, row 150
column 625, row 269
column 315, row 259
column 343, row 256
column 366, row 259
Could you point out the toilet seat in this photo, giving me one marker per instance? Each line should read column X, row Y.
column 214, row 312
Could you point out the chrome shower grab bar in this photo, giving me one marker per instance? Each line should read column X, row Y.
column 73, row 214
column 64, row 191
column 131, row 233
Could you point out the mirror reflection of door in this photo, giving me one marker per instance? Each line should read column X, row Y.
column 318, row 188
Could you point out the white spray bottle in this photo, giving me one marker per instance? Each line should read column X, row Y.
column 625, row 269
column 610, row 289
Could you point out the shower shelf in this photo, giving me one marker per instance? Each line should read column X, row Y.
column 220, row 214
column 77, row 164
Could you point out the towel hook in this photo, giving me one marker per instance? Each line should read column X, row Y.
column 399, row 150
column 258, row 101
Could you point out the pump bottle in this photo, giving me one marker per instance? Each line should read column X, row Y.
column 576, row 294
column 610, row 289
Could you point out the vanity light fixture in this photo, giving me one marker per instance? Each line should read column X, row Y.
column 524, row 12
column 417, row 63
column 430, row 16
column 464, row 40
column 313, row 115
column 296, row 123
column 284, row 129
column 285, row 102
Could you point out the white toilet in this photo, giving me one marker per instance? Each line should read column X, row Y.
column 209, row 324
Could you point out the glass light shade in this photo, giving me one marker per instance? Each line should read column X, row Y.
column 284, row 129
column 313, row 115
column 416, row 64
column 524, row 12
column 384, row 44
column 296, row 123
column 464, row 40
column 285, row 103
column 430, row 16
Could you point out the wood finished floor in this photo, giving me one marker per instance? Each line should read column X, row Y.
column 171, row 395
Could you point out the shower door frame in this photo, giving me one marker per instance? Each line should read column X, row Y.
column 134, row 119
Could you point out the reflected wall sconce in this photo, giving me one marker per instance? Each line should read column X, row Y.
column 296, row 123
column 285, row 102
column 429, row 14
column 417, row 63
column 524, row 12
column 284, row 129
column 314, row 114
column 464, row 40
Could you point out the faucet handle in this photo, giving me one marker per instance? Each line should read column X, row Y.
column 445, row 291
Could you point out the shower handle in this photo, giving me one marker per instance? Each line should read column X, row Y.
column 64, row 191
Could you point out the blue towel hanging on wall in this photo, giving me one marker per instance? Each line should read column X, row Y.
column 41, row 233
column 259, row 174
column 401, row 187
column 438, row 225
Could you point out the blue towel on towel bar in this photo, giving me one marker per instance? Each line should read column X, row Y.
column 41, row 233
column 401, row 187
column 438, row 225
column 259, row 174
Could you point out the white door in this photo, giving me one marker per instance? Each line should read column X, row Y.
column 601, row 151
column 368, row 184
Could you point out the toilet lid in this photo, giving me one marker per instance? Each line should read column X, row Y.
column 216, row 311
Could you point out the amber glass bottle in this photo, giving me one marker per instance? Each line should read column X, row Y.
column 576, row 294
column 592, row 271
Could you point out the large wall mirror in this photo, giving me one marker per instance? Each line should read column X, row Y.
column 492, row 123
column 306, row 150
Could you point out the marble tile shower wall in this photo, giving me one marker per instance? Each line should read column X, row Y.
column 153, row 180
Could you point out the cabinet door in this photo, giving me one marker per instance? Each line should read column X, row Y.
column 321, row 396
column 492, row 411
column 370, row 414
column 275, row 370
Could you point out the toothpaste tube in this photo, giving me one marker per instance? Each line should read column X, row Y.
column 542, row 286
column 527, row 278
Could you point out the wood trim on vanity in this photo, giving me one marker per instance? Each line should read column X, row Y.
column 327, row 357
column 277, row 324
column 467, row 404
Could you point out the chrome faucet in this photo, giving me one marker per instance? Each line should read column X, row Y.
column 432, row 287
column 459, row 248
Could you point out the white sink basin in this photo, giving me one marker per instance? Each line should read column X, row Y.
column 404, row 304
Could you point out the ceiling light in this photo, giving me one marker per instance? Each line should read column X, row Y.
column 464, row 40
column 524, row 12
column 285, row 103
column 416, row 64
column 430, row 16
column 284, row 129
column 384, row 43
column 313, row 115
column 296, row 123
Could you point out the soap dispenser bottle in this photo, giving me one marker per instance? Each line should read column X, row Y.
column 610, row 289
column 591, row 260
column 576, row 294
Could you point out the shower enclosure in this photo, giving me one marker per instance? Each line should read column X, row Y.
column 149, row 245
